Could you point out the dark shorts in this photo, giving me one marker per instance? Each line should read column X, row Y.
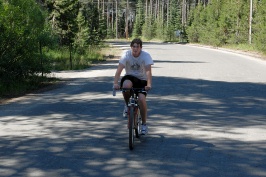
column 137, row 83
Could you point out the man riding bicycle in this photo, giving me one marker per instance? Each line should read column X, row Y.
column 137, row 64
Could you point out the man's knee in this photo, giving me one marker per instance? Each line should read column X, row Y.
column 127, row 84
column 142, row 98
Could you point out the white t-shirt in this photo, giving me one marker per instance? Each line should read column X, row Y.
column 135, row 66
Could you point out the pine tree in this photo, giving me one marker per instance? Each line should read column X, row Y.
column 137, row 31
column 148, row 27
column 239, row 20
column 83, row 31
column 220, row 22
column 196, row 24
column 259, row 26
column 89, row 24
column 65, row 14
column 174, row 19
column 209, row 33
column 160, row 23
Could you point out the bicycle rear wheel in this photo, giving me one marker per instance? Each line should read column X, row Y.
column 131, row 127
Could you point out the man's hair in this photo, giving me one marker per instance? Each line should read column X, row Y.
column 136, row 41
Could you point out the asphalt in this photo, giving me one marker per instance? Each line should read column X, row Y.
column 207, row 112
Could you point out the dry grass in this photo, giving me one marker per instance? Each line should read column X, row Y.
column 111, row 52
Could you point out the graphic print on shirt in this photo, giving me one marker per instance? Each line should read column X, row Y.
column 135, row 66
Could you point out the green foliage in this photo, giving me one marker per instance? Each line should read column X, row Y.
column 203, row 25
column 59, row 58
column 137, row 30
column 20, row 87
column 196, row 24
column 220, row 23
column 210, row 17
column 259, row 26
column 147, row 29
column 226, row 25
column 159, row 29
column 237, row 14
column 21, row 23
column 65, row 23
column 174, row 19
column 88, row 27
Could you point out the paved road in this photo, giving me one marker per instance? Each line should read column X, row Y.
column 207, row 118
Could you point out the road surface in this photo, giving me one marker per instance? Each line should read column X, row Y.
column 207, row 118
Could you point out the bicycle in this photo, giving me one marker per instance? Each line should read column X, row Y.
column 134, row 118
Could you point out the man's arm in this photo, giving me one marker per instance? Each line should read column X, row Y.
column 149, row 77
column 117, row 75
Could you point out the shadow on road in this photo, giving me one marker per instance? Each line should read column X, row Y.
column 77, row 130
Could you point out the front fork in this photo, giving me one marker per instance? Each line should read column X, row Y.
column 135, row 106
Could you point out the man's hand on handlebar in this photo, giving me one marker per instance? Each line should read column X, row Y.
column 147, row 88
column 116, row 86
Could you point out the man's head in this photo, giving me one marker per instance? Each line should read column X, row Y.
column 136, row 46
column 136, row 41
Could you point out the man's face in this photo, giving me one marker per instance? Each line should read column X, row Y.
column 135, row 50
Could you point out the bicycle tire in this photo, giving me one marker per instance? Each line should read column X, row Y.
column 131, row 127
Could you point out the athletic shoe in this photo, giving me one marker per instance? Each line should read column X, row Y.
column 144, row 129
column 125, row 112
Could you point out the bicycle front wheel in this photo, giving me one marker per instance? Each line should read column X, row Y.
column 131, row 127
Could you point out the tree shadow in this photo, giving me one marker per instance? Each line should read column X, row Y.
column 171, row 61
column 197, row 128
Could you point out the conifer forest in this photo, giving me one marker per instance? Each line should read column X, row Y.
column 31, row 28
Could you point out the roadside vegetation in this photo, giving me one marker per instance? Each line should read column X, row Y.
column 41, row 36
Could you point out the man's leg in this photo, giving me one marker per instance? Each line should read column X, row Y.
column 143, row 113
column 127, row 84
column 143, row 107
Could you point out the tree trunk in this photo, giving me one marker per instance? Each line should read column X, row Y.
column 70, row 55
column 116, row 18
column 112, row 21
column 107, row 15
column 40, row 48
column 126, row 30
column 146, row 13
column 167, row 20
column 184, row 13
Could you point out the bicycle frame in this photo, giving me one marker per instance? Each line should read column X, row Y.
column 134, row 119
